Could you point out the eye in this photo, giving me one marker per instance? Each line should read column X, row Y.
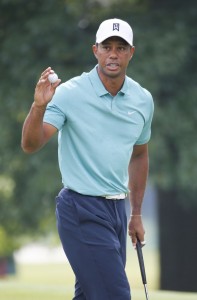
column 106, row 47
column 122, row 48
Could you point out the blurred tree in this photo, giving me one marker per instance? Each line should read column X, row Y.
column 33, row 36
column 36, row 34
column 175, row 145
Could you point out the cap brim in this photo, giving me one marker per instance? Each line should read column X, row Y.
column 100, row 40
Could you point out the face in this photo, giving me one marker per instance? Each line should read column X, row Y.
column 113, row 57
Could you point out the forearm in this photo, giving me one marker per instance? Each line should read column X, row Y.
column 33, row 132
column 138, row 173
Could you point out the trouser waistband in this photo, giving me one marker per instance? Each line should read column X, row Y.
column 120, row 196
column 115, row 197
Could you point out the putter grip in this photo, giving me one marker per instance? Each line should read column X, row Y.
column 141, row 261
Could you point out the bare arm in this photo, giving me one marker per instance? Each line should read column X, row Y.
column 138, row 173
column 35, row 133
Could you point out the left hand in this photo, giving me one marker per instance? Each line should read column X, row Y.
column 44, row 90
column 136, row 230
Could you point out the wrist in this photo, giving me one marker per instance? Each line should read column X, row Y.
column 136, row 215
column 38, row 107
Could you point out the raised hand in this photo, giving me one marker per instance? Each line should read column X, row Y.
column 44, row 90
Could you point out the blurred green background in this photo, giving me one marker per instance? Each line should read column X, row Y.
column 41, row 33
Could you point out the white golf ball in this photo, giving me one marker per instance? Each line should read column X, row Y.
column 52, row 77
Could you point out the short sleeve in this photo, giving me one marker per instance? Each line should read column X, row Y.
column 54, row 114
column 146, row 132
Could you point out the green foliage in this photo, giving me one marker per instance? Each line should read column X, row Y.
column 173, row 67
column 36, row 34
column 7, row 245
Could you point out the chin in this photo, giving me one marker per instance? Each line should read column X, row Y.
column 111, row 73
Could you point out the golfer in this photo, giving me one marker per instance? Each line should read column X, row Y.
column 104, row 123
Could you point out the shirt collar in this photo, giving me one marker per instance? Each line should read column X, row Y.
column 98, row 85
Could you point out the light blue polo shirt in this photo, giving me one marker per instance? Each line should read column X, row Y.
column 97, row 132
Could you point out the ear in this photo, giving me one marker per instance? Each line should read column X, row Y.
column 132, row 50
column 95, row 50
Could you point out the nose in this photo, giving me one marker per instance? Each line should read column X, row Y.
column 113, row 53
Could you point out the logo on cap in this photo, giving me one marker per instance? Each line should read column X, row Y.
column 116, row 26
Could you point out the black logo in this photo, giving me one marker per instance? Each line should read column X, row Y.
column 116, row 26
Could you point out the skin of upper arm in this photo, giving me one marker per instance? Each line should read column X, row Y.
column 139, row 160
column 48, row 130
column 139, row 150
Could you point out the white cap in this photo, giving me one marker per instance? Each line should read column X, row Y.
column 114, row 27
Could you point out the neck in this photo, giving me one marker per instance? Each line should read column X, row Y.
column 112, row 85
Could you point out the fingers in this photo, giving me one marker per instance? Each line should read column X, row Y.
column 44, row 78
column 45, row 74
column 46, row 71
column 134, row 241
column 44, row 90
column 136, row 231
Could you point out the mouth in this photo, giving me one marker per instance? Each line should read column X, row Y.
column 112, row 66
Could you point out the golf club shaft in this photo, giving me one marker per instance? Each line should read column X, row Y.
column 142, row 267
column 146, row 291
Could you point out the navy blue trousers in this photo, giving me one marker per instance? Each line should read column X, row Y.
column 93, row 234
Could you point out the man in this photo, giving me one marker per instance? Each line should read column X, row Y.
column 104, row 120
